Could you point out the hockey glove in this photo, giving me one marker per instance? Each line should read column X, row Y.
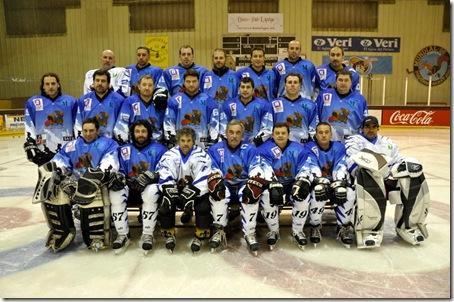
column 170, row 196
column 117, row 181
column 258, row 140
column 147, row 177
column 254, row 189
column 160, row 96
column 339, row 188
column 97, row 175
column 276, row 193
column 321, row 188
column 120, row 141
column 171, row 141
column 134, row 184
column 301, row 189
column 216, row 186
column 69, row 185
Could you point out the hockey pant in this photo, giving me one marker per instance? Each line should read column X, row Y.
column 344, row 212
column 219, row 209
column 300, row 211
column 249, row 213
column 150, row 197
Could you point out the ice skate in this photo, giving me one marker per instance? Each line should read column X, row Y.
column 412, row 236
column 346, row 235
column 272, row 238
column 300, row 239
column 218, row 239
column 316, row 235
column 195, row 245
column 146, row 243
column 252, row 243
column 170, row 243
column 120, row 244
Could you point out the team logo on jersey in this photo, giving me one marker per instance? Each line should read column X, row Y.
column 192, row 118
column 55, row 118
column 71, row 146
column 276, row 152
column 124, row 117
column 221, row 93
column 315, row 150
column 221, row 154
column 278, row 106
column 136, row 108
column 126, row 153
column 327, row 99
column 103, row 118
column 322, row 73
column 281, row 68
column 340, row 115
column 175, row 74
column 39, row 106
column 208, row 82
column 233, row 109
column 179, row 100
column 87, row 104
column 295, row 120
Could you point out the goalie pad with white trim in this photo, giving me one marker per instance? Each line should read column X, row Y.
column 49, row 176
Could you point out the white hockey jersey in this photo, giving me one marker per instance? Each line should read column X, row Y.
column 119, row 80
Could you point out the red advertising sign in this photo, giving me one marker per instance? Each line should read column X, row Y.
column 415, row 117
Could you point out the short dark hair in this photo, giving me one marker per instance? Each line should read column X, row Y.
column 91, row 120
column 281, row 125
column 102, row 72
column 259, row 49
column 191, row 72
column 342, row 50
column 186, row 46
column 144, row 48
column 186, row 131
column 246, row 80
column 344, row 72
column 294, row 74
column 50, row 74
column 141, row 122
column 323, row 124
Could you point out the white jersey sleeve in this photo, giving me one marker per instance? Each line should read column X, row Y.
column 88, row 81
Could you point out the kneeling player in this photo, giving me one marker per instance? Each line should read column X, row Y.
column 138, row 162
column 183, row 172
column 381, row 174
column 71, row 175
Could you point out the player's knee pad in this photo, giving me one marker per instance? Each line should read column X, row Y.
column 95, row 221
column 202, row 211
column 371, row 203
column 61, row 225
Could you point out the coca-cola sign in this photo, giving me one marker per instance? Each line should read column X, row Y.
column 416, row 117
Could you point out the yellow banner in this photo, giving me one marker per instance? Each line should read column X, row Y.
column 159, row 50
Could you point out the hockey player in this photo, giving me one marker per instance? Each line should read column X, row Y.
column 285, row 157
column 254, row 112
column 381, row 174
column 120, row 77
column 327, row 72
column 295, row 64
column 327, row 173
column 183, row 173
column 300, row 114
column 220, row 83
column 232, row 160
column 341, row 107
column 140, row 106
column 143, row 67
column 193, row 109
column 80, row 171
column 102, row 103
column 173, row 76
column 49, row 120
column 264, row 79
column 138, row 162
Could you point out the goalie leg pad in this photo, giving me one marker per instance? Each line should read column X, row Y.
column 48, row 178
column 95, row 221
column 202, row 211
column 61, row 225
column 86, row 191
column 371, row 203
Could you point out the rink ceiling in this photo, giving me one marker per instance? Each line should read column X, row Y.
column 395, row 270
column 98, row 25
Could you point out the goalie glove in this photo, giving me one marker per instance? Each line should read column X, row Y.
column 148, row 177
column 116, row 182
column 301, row 189
column 216, row 186
column 254, row 189
column 276, row 190
column 170, row 196
column 160, row 96
column 321, row 188
column 339, row 188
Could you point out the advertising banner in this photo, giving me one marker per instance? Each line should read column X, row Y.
column 363, row 44
column 416, row 117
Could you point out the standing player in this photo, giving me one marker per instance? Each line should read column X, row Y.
column 264, row 79
column 254, row 112
column 232, row 160
column 143, row 67
column 193, row 109
column 138, row 162
column 183, row 173
column 49, row 120
column 140, row 106
column 173, row 76
column 341, row 107
column 327, row 173
column 327, row 72
column 300, row 114
column 102, row 103
column 381, row 174
column 220, row 83
column 120, row 77
column 295, row 64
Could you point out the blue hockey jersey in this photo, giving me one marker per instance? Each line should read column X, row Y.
column 220, row 85
column 264, row 81
column 174, row 77
column 137, row 72
column 303, row 67
column 329, row 163
column 327, row 76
